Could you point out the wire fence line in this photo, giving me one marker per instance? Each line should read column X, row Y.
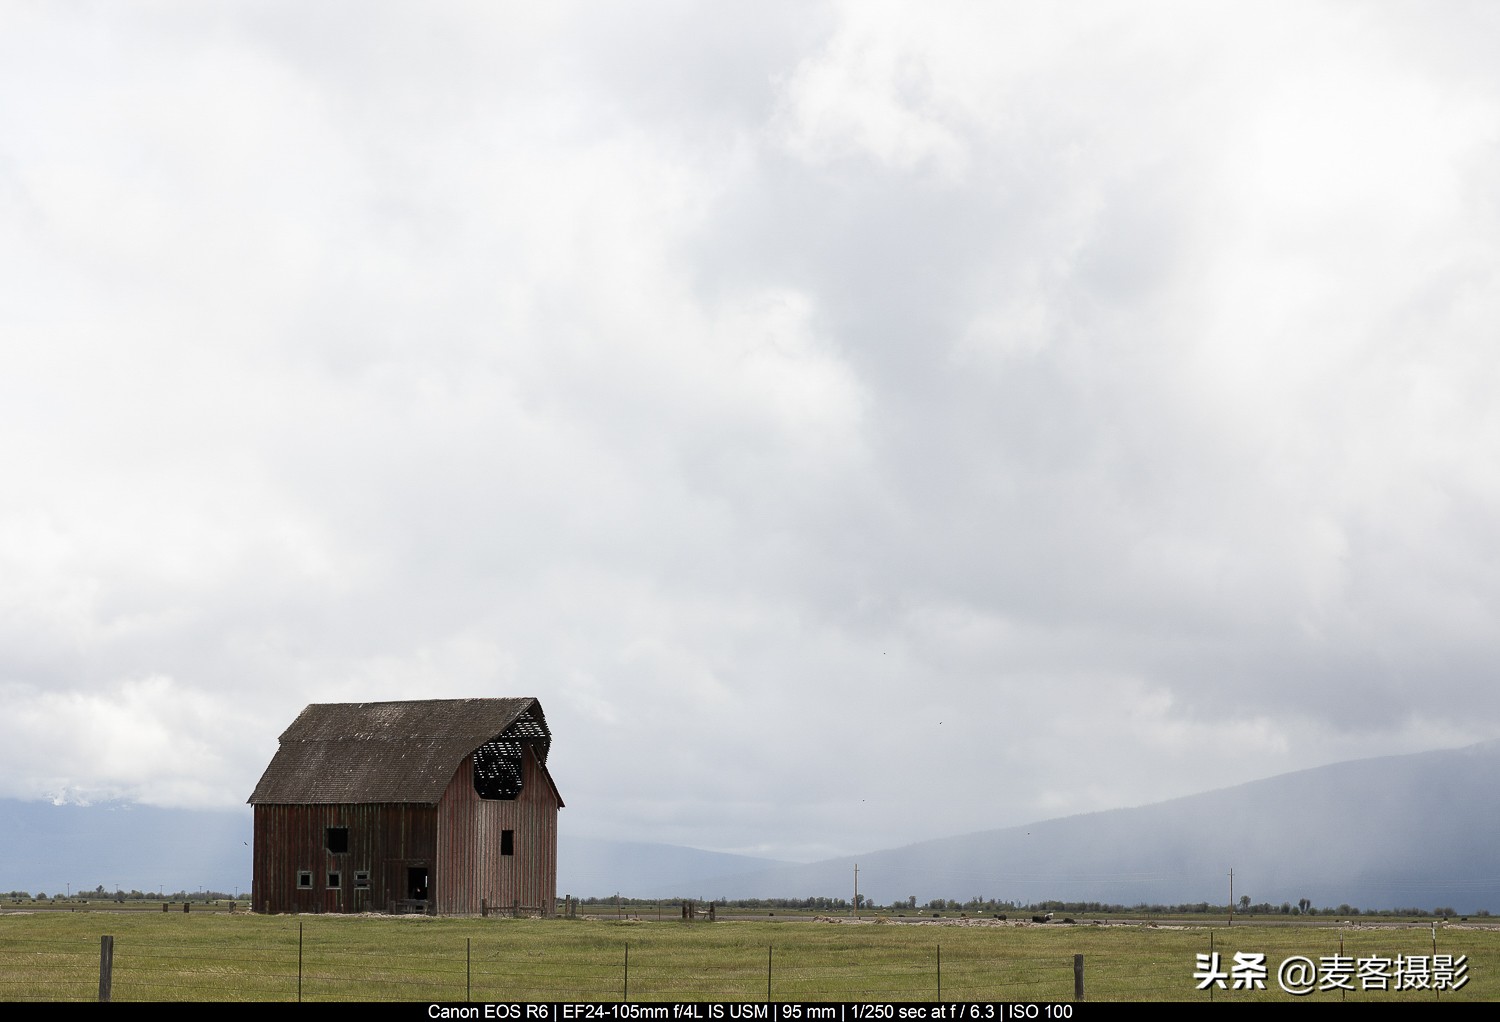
column 408, row 962
column 69, row 969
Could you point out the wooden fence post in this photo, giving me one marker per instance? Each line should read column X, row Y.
column 1078, row 977
column 106, row 966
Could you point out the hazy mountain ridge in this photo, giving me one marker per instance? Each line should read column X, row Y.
column 590, row 867
column 1420, row 830
column 54, row 848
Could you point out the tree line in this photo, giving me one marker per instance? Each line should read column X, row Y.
column 100, row 894
column 990, row 906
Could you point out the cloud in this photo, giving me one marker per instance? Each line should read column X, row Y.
column 759, row 391
column 148, row 739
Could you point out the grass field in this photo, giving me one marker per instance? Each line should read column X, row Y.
column 219, row 957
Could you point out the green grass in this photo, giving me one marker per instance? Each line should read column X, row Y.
column 211, row 957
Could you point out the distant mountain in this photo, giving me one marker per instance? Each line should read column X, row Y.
column 1397, row 831
column 593, row 868
column 46, row 848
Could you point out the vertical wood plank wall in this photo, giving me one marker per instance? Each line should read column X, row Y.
column 384, row 838
column 470, row 866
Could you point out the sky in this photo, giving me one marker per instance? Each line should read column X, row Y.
column 855, row 423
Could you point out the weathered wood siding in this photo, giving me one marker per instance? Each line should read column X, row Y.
column 384, row 838
column 470, row 865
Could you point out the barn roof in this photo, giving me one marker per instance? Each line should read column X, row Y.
column 392, row 752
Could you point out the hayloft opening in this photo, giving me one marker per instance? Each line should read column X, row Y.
column 507, row 842
column 337, row 840
column 498, row 762
column 497, row 769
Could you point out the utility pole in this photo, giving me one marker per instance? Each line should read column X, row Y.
column 856, row 890
column 1231, row 895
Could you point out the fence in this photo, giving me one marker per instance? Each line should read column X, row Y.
column 418, row 959
column 478, row 970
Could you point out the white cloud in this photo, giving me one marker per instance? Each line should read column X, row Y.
column 146, row 739
column 757, row 390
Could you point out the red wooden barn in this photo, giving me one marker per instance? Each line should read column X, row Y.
column 439, row 805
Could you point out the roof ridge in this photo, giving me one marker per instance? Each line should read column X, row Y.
column 348, row 752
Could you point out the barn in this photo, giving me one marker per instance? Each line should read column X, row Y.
column 442, row 806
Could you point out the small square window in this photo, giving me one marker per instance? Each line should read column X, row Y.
column 362, row 878
column 304, row 879
column 338, row 840
column 334, row 880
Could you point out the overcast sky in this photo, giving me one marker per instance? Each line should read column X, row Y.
column 854, row 422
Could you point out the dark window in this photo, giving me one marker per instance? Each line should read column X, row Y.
column 304, row 878
column 338, row 839
column 361, row 878
column 507, row 842
column 334, row 881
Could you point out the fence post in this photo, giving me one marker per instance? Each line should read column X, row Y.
column 940, row 971
column 1078, row 977
column 106, row 966
column 299, row 961
column 626, row 995
column 468, row 970
column 768, row 973
column 1437, row 990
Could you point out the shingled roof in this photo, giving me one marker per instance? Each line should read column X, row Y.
column 391, row 752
